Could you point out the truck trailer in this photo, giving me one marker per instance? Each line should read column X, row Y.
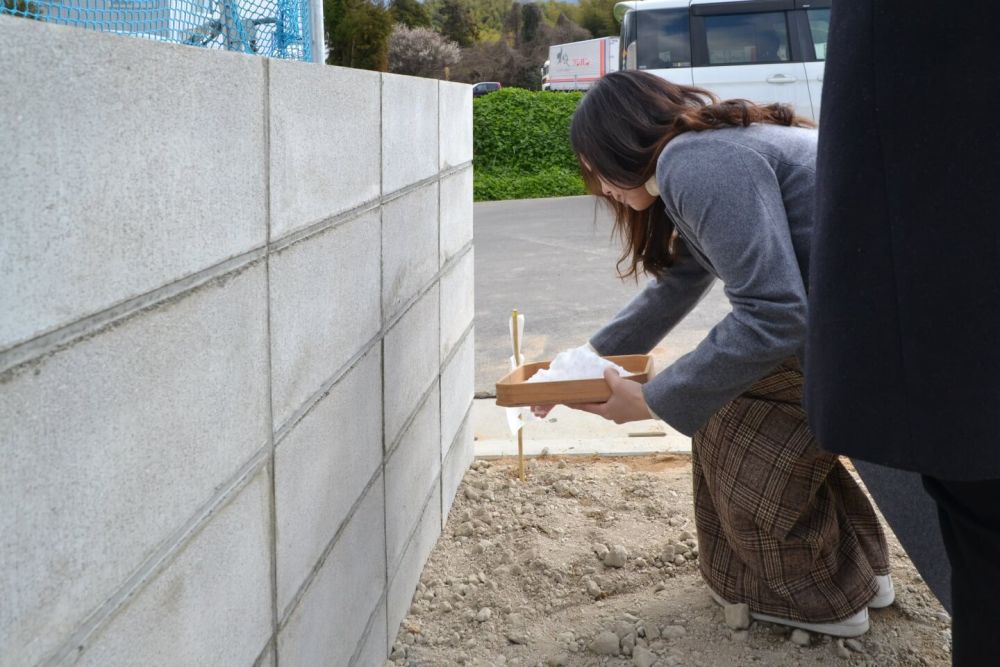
column 578, row 65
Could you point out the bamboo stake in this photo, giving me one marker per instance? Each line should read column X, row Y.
column 520, row 430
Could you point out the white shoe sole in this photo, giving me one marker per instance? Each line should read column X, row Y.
column 886, row 593
column 854, row 626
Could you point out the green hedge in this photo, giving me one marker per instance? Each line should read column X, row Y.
column 521, row 145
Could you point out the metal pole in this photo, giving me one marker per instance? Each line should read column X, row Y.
column 318, row 30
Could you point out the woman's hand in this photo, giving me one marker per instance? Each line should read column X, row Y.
column 626, row 404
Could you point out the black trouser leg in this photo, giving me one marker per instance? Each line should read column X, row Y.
column 970, row 525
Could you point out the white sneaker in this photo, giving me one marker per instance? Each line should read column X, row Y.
column 853, row 626
column 886, row 593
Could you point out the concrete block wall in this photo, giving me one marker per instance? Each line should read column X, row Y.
column 236, row 351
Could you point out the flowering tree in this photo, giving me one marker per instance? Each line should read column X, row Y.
column 420, row 52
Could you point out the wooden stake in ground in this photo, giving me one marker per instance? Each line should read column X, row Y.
column 520, row 430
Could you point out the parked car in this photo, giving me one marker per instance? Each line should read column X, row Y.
column 484, row 87
column 760, row 50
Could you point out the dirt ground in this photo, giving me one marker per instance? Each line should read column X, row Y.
column 526, row 573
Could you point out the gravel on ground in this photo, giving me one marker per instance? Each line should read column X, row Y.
column 593, row 561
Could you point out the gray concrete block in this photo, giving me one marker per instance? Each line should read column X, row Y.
column 403, row 582
column 456, row 213
column 455, row 123
column 455, row 464
column 458, row 307
column 411, row 471
column 267, row 658
column 111, row 445
column 324, row 308
column 374, row 651
column 322, row 466
column 330, row 619
column 409, row 130
column 211, row 606
column 115, row 189
column 457, row 382
column 411, row 362
column 324, row 142
column 409, row 247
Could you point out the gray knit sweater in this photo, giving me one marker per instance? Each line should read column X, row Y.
column 742, row 200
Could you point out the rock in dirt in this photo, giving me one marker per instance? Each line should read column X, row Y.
column 517, row 629
column 737, row 616
column 840, row 650
column 642, row 657
column 518, row 636
column 855, row 645
column 600, row 551
column 622, row 629
column 605, row 643
column 800, row 637
column 484, row 614
column 628, row 644
column 560, row 660
column 593, row 590
column 616, row 557
column 398, row 652
column 672, row 631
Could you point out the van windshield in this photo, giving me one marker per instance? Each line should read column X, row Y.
column 656, row 39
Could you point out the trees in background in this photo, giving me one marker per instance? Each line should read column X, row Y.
column 357, row 33
column 598, row 17
column 420, row 52
column 500, row 40
column 411, row 13
column 515, row 58
column 531, row 22
column 458, row 23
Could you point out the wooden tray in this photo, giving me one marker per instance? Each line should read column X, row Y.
column 512, row 391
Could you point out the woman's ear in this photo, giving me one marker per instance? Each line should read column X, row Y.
column 652, row 187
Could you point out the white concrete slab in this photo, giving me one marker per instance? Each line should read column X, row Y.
column 567, row 431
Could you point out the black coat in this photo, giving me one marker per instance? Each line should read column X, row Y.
column 903, row 355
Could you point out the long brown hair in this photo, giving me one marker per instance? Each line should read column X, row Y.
column 620, row 128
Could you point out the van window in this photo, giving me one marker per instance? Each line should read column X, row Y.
column 663, row 37
column 819, row 26
column 742, row 39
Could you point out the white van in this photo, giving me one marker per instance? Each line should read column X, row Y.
column 760, row 50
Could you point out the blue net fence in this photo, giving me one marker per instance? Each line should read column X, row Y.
column 272, row 28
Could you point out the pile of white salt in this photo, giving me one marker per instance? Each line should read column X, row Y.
column 578, row 363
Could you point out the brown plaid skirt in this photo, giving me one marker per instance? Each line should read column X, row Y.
column 782, row 525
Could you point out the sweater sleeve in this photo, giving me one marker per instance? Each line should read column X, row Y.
column 727, row 198
column 656, row 309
